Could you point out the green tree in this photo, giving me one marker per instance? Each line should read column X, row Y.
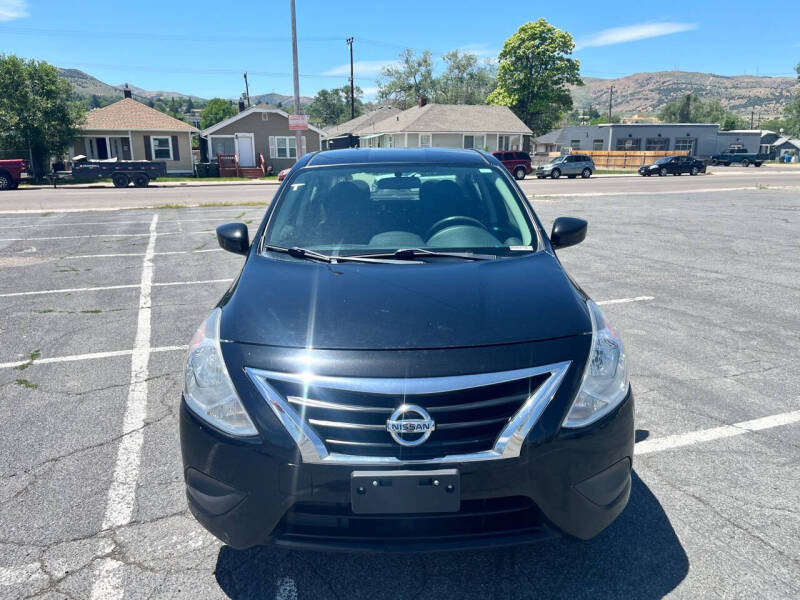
column 215, row 111
column 691, row 109
column 793, row 111
column 38, row 116
column 405, row 83
column 189, row 105
column 533, row 74
column 465, row 80
column 331, row 107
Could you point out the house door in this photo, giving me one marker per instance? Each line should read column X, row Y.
column 102, row 148
column 245, row 149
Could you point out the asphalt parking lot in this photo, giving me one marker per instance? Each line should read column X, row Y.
column 96, row 309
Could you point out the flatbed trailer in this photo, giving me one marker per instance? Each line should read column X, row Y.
column 121, row 172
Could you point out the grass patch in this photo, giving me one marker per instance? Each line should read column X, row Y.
column 239, row 216
column 203, row 205
column 27, row 384
column 45, row 214
column 44, row 311
column 201, row 246
column 616, row 171
column 93, row 311
column 31, row 357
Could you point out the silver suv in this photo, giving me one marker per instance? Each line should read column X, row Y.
column 570, row 165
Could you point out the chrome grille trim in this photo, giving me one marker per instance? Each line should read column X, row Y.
column 313, row 450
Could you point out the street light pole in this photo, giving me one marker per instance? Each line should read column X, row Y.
column 352, row 84
column 610, row 96
column 298, row 138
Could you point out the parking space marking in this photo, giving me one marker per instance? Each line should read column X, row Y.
column 123, row 254
column 715, row 433
column 661, row 192
column 122, row 493
column 110, row 287
column 104, row 235
column 625, row 300
column 89, row 356
column 59, row 223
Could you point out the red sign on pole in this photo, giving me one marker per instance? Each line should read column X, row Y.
column 298, row 122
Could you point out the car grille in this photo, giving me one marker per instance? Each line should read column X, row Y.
column 496, row 520
column 344, row 420
column 354, row 423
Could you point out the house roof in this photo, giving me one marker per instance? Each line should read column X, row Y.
column 365, row 120
column 787, row 140
column 551, row 137
column 130, row 115
column 259, row 108
column 451, row 118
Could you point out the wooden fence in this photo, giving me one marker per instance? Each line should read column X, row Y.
column 625, row 159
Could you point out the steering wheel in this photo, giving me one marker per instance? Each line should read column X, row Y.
column 450, row 221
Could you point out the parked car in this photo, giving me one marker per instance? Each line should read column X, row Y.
column 12, row 171
column 739, row 156
column 570, row 165
column 674, row 165
column 518, row 163
column 404, row 371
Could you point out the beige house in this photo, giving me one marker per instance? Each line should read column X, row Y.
column 479, row 126
column 130, row 130
column 258, row 130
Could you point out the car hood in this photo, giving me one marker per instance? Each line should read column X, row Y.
column 388, row 306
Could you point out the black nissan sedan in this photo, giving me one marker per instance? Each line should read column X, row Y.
column 673, row 165
column 403, row 364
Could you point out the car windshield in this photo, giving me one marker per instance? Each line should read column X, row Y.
column 364, row 209
column 663, row 161
column 558, row 160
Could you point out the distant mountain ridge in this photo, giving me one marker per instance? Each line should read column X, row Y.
column 649, row 92
column 87, row 86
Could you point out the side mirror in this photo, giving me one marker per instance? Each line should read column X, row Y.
column 233, row 237
column 567, row 231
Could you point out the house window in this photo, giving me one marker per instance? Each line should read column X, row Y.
column 222, row 145
column 684, row 144
column 425, row 140
column 504, row 142
column 474, row 141
column 597, row 145
column 657, row 143
column 629, row 143
column 575, row 144
column 390, row 141
column 162, row 148
column 285, row 147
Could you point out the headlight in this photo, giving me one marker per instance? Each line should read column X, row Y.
column 605, row 380
column 208, row 388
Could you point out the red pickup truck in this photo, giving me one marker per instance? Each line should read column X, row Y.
column 11, row 171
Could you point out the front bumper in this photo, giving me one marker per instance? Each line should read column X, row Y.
column 576, row 483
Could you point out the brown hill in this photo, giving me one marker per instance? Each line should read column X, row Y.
column 649, row 92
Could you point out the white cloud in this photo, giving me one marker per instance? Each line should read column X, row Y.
column 632, row 33
column 370, row 91
column 361, row 68
column 13, row 9
column 480, row 50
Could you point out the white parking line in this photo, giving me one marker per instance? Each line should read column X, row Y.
column 124, row 254
column 60, row 223
column 110, row 287
column 104, row 235
column 202, row 207
column 122, row 493
column 625, row 300
column 715, row 433
column 89, row 356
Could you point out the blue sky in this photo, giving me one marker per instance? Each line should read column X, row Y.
column 203, row 47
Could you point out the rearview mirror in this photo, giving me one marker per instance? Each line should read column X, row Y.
column 567, row 231
column 233, row 237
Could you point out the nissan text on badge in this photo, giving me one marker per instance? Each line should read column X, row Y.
column 403, row 364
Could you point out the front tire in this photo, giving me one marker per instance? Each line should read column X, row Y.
column 519, row 173
column 756, row 164
column 555, row 173
column 120, row 180
column 662, row 172
column 694, row 171
column 586, row 173
column 745, row 163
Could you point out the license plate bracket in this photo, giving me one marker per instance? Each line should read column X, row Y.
column 405, row 492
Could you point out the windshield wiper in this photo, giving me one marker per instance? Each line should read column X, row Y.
column 411, row 253
column 306, row 254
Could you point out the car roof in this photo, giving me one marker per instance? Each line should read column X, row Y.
column 351, row 156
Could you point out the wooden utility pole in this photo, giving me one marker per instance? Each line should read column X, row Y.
column 246, row 89
column 352, row 83
column 298, row 138
column 610, row 96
